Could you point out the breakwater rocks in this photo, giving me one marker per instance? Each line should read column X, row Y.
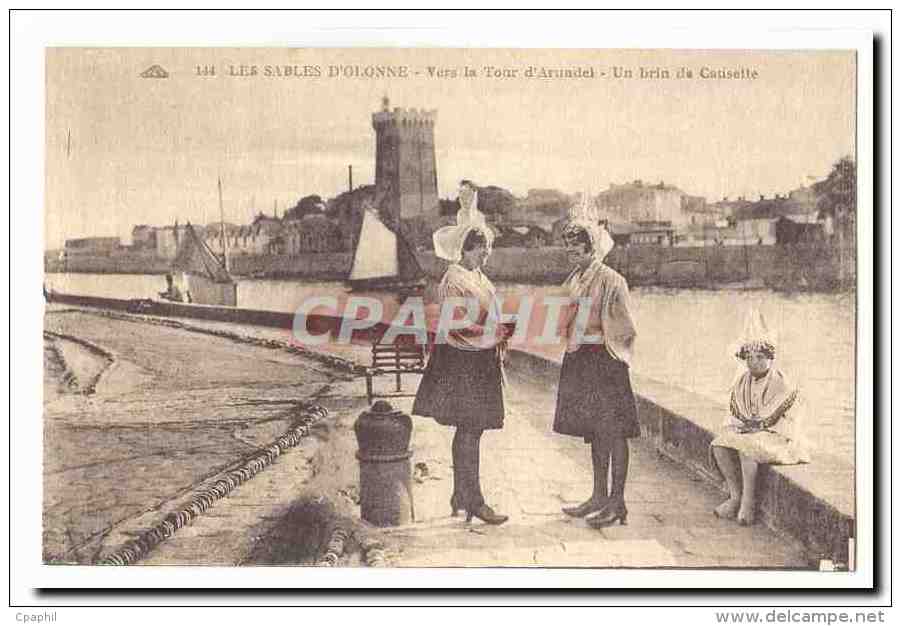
column 815, row 266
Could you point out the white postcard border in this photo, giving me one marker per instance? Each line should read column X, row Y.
column 31, row 32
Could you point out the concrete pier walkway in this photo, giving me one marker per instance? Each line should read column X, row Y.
column 529, row 473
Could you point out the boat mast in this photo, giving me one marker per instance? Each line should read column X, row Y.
column 222, row 237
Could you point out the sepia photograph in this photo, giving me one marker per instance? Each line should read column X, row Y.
column 450, row 308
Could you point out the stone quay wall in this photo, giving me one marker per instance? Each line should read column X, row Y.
column 807, row 266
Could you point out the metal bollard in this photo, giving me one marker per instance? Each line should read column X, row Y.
column 383, row 438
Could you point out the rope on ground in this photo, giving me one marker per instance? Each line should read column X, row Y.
column 205, row 498
column 335, row 548
column 374, row 552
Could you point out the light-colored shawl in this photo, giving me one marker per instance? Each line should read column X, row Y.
column 471, row 285
column 778, row 396
column 777, row 399
column 610, row 307
column 607, row 290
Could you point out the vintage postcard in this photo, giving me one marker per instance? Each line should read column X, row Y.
column 458, row 307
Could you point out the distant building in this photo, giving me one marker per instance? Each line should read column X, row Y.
column 625, row 234
column 727, row 208
column 143, row 238
column 265, row 235
column 696, row 211
column 759, row 229
column 805, row 198
column 168, row 238
column 756, row 221
column 719, row 233
column 643, row 233
column 313, row 233
column 788, row 231
column 639, row 202
column 92, row 246
column 540, row 207
column 212, row 236
column 262, row 236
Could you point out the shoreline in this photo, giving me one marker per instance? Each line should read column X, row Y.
column 313, row 277
column 798, row 268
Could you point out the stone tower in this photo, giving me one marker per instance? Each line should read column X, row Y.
column 405, row 159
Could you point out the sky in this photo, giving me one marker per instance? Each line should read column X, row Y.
column 124, row 150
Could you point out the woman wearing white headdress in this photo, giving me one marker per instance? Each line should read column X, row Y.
column 763, row 425
column 595, row 399
column 463, row 385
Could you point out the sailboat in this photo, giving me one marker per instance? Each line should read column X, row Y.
column 205, row 279
column 384, row 260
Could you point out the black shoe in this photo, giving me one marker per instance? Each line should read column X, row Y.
column 586, row 508
column 487, row 515
column 614, row 512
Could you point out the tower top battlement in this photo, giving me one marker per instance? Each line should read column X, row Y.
column 403, row 116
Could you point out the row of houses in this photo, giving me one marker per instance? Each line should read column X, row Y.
column 640, row 214
column 92, row 246
column 636, row 214
column 266, row 234
column 662, row 214
column 270, row 235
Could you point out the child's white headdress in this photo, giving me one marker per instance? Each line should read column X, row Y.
column 756, row 337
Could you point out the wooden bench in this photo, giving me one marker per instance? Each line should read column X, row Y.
column 397, row 359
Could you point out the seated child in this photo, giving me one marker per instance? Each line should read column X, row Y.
column 763, row 426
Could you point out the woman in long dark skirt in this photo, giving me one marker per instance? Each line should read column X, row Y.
column 463, row 385
column 595, row 399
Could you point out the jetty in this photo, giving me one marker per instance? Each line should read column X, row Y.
column 208, row 387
